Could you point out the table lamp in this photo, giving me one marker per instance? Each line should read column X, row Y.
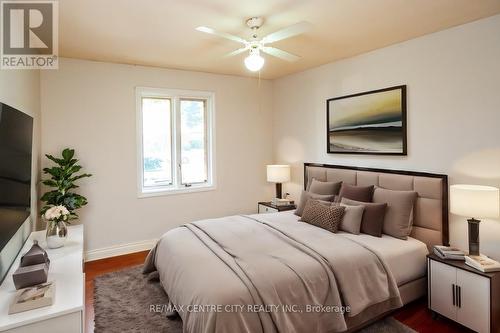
column 278, row 174
column 474, row 201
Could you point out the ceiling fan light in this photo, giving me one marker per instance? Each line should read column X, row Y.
column 254, row 62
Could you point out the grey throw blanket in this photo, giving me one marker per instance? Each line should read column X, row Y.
column 242, row 273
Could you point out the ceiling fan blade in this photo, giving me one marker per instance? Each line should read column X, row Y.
column 280, row 53
column 235, row 52
column 293, row 30
column 222, row 34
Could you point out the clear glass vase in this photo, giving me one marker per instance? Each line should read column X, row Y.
column 56, row 235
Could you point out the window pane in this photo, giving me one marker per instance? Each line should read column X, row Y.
column 157, row 141
column 193, row 142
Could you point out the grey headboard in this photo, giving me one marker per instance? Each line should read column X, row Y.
column 430, row 222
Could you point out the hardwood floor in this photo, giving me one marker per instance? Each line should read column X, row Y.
column 415, row 315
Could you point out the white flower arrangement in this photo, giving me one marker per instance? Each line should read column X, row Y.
column 57, row 213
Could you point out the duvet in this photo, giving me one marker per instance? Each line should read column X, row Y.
column 253, row 274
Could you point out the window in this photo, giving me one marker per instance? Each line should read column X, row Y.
column 175, row 141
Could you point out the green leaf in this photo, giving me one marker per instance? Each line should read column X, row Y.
column 54, row 171
column 70, row 203
column 68, row 154
column 54, row 159
column 74, row 168
column 51, row 198
column 72, row 162
column 49, row 182
column 80, row 176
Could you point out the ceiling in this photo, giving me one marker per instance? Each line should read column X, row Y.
column 162, row 32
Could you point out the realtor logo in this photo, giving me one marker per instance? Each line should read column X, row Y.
column 29, row 34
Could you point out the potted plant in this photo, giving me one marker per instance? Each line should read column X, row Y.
column 61, row 202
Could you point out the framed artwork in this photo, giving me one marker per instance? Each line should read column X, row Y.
column 372, row 122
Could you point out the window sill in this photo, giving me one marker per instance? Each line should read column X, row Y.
column 175, row 191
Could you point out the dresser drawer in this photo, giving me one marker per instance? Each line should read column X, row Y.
column 265, row 209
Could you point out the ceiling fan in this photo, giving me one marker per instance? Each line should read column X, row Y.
column 254, row 61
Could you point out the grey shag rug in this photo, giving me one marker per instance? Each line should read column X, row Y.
column 128, row 301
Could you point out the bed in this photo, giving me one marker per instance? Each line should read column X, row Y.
column 271, row 273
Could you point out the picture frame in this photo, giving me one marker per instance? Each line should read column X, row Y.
column 371, row 123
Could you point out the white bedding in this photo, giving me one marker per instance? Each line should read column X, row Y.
column 405, row 258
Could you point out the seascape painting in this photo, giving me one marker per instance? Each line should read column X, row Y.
column 368, row 123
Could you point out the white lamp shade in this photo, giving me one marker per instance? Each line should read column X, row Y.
column 474, row 201
column 278, row 173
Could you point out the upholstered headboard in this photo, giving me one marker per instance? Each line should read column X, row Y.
column 430, row 222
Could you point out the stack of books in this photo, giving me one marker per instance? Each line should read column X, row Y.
column 447, row 252
column 281, row 202
column 482, row 263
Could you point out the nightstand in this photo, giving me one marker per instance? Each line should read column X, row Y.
column 464, row 294
column 268, row 207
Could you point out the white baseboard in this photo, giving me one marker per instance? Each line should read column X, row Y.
column 118, row 250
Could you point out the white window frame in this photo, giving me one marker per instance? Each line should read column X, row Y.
column 175, row 95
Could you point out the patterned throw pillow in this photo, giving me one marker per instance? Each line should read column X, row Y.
column 323, row 216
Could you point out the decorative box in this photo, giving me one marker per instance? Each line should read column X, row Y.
column 36, row 255
column 30, row 275
column 33, row 269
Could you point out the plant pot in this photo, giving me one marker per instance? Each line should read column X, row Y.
column 56, row 235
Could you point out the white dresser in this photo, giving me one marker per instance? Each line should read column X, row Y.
column 66, row 315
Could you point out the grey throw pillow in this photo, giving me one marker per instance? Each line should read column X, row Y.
column 351, row 221
column 325, row 188
column 399, row 214
column 324, row 216
column 305, row 196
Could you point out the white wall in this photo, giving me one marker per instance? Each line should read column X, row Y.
column 21, row 90
column 453, row 80
column 90, row 106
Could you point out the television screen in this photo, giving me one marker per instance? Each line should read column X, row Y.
column 16, row 131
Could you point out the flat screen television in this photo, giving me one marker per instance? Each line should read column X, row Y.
column 16, row 135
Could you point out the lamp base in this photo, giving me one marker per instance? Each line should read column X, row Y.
column 473, row 236
column 278, row 191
